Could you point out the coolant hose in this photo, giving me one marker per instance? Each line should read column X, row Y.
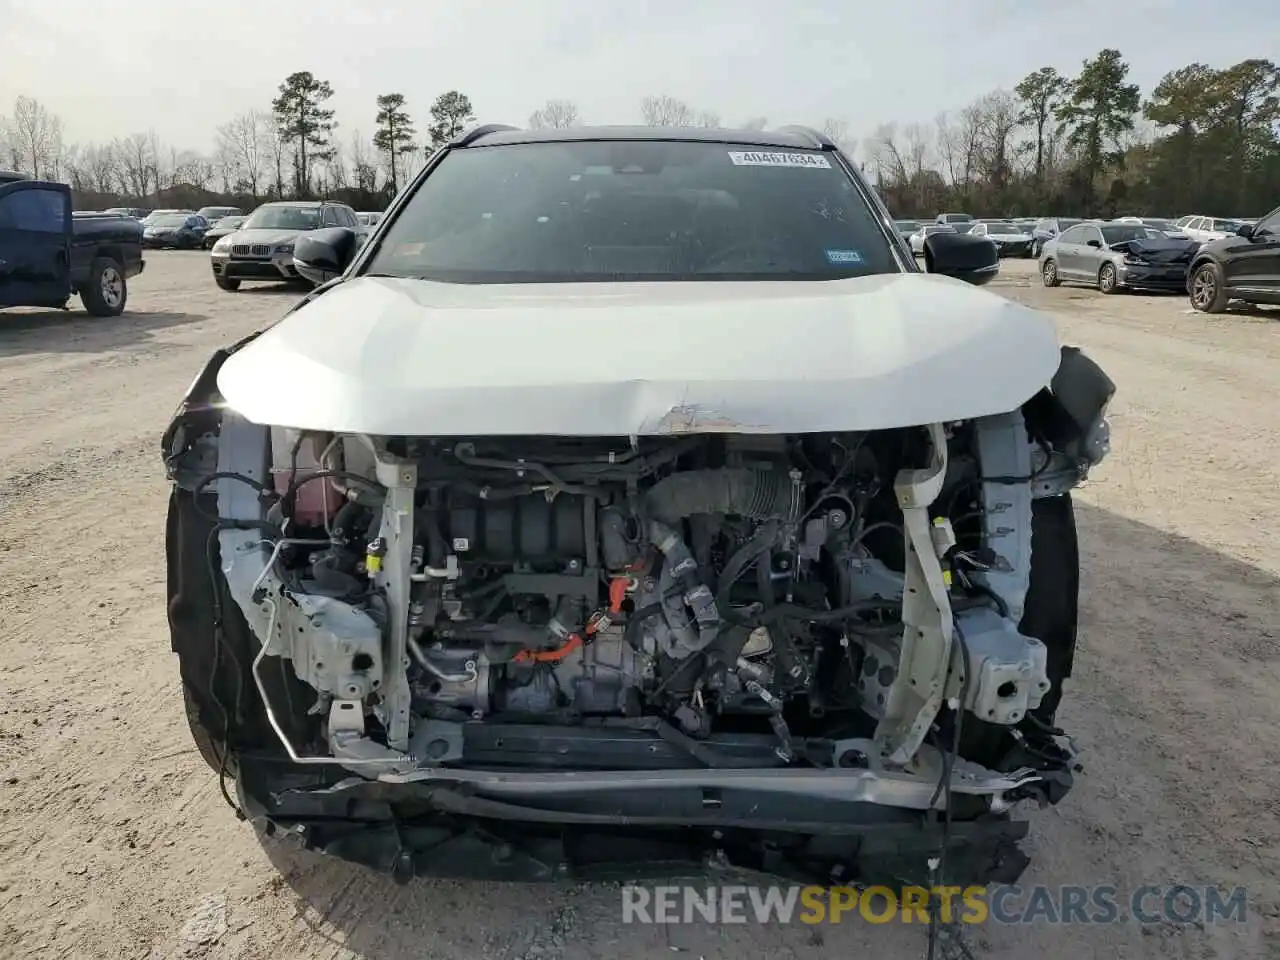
column 739, row 491
column 679, row 568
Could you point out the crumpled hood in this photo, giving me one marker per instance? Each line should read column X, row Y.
column 413, row 357
column 1159, row 249
column 267, row 236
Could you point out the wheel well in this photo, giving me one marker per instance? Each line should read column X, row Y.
column 1199, row 262
column 110, row 253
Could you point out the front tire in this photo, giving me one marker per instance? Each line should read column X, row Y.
column 1208, row 292
column 1049, row 274
column 229, row 284
column 106, row 292
column 210, row 746
column 1107, row 282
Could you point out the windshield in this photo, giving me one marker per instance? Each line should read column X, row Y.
column 643, row 210
column 1122, row 232
column 284, row 218
column 169, row 220
column 210, row 213
column 1002, row 227
column 939, row 228
column 908, row 225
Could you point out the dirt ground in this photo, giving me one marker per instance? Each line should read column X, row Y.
column 114, row 841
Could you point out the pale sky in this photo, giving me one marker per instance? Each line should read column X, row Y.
column 181, row 67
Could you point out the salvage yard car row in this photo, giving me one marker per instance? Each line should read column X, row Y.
column 1213, row 260
column 1113, row 257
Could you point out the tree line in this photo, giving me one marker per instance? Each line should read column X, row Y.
column 1204, row 139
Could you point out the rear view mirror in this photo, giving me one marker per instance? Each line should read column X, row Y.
column 320, row 255
column 1245, row 230
column 965, row 257
column 1094, row 243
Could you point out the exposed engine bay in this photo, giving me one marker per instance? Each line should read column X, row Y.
column 843, row 599
column 706, row 581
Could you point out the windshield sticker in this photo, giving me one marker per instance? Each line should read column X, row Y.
column 844, row 256
column 754, row 158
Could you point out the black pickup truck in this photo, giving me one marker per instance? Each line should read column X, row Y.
column 47, row 254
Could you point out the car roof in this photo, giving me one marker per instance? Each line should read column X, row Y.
column 797, row 138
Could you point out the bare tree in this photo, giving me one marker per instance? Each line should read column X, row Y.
column 156, row 170
column 243, row 145
column 915, row 150
column 666, row 111
column 999, row 115
column 135, row 165
column 225, row 166
column 74, row 170
column 364, row 171
column 886, row 157
column 278, row 154
column 970, row 131
column 555, row 115
column 707, row 118
column 755, row 123
column 191, row 169
column 837, row 131
column 333, row 168
column 35, row 138
column 101, row 166
column 946, row 143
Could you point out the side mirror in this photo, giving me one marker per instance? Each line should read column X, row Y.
column 1096, row 244
column 1245, row 230
column 321, row 255
column 972, row 259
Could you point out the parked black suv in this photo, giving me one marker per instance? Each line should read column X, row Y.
column 1243, row 267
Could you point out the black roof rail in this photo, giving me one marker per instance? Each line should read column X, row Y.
column 819, row 139
column 473, row 134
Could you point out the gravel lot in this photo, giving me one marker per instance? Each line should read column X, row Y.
column 114, row 841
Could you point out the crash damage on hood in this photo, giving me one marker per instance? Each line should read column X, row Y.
column 537, row 583
column 1158, row 249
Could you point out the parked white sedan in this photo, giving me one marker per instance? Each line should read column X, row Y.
column 1010, row 239
column 1205, row 229
column 927, row 230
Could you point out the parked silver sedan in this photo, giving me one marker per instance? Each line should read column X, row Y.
column 1117, row 256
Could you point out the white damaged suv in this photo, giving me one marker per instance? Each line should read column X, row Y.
column 632, row 498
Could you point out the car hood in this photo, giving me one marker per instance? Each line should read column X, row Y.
column 1157, row 250
column 1010, row 237
column 267, row 236
column 412, row 357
